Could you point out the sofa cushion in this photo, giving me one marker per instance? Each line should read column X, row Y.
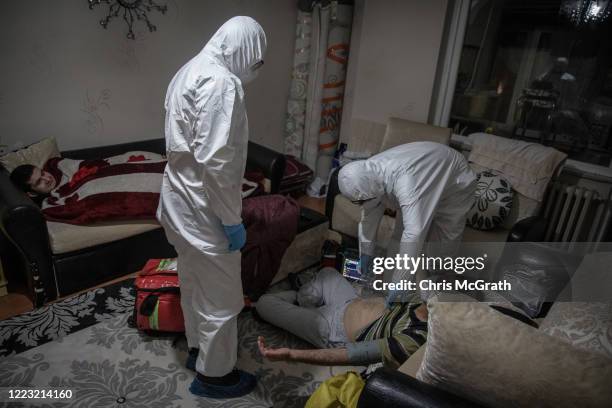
column 528, row 166
column 68, row 237
column 304, row 251
column 582, row 324
column 35, row 154
column 495, row 235
column 522, row 206
column 412, row 365
column 401, row 131
column 493, row 201
column 479, row 353
column 365, row 136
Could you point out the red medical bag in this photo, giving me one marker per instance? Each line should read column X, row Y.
column 158, row 297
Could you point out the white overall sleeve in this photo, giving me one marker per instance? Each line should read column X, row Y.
column 418, row 207
column 371, row 215
column 217, row 148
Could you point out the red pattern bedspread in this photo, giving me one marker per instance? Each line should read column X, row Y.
column 118, row 188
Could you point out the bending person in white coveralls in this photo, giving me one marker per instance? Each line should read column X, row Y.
column 201, row 203
column 429, row 184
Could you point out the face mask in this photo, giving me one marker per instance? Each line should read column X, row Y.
column 252, row 73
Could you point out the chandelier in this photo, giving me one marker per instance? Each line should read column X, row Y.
column 581, row 12
column 130, row 11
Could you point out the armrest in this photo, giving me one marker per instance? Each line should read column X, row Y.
column 270, row 162
column 332, row 191
column 391, row 388
column 24, row 225
column 530, row 229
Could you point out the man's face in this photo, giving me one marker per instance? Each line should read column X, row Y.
column 41, row 182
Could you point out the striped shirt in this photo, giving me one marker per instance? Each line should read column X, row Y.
column 399, row 333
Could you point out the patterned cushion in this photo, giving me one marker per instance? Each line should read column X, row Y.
column 493, row 201
column 486, row 356
column 36, row 154
column 584, row 325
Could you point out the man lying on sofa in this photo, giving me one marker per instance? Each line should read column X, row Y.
column 85, row 192
column 124, row 187
column 33, row 180
column 348, row 330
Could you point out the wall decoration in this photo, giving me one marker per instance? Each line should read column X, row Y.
column 92, row 107
column 130, row 11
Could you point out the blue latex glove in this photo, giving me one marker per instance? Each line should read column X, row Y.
column 236, row 235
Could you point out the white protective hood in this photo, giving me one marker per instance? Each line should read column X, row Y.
column 239, row 43
column 207, row 136
column 358, row 181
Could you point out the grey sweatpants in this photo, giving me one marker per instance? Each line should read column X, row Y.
column 315, row 313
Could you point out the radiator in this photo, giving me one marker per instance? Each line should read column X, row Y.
column 576, row 214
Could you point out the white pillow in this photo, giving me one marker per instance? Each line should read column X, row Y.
column 35, row 154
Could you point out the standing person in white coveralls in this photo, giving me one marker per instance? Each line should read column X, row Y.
column 429, row 184
column 201, row 203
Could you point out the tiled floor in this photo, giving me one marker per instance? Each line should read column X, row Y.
column 17, row 302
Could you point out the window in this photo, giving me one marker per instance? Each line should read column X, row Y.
column 541, row 71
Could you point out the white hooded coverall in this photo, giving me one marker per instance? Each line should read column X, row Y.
column 430, row 184
column 206, row 143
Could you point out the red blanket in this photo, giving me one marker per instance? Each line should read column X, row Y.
column 124, row 187
column 271, row 222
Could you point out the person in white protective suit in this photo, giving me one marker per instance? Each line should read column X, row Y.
column 429, row 184
column 201, row 203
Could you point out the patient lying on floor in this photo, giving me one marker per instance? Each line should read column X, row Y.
column 347, row 329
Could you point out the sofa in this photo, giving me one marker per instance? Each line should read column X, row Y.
column 478, row 357
column 56, row 259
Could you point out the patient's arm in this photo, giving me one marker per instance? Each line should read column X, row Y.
column 362, row 353
column 331, row 356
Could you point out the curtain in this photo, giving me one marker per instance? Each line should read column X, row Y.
column 314, row 109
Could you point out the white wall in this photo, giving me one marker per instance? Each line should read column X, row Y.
column 62, row 75
column 394, row 55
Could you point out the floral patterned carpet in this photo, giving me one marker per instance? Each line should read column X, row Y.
column 85, row 343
